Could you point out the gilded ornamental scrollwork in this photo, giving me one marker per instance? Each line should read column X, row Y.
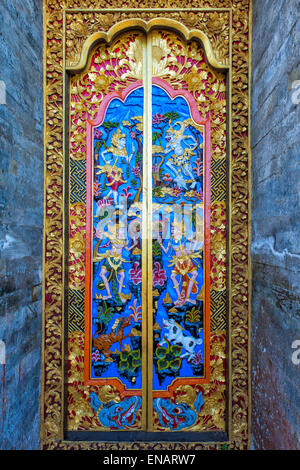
column 80, row 26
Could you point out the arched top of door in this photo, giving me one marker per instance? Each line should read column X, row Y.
column 146, row 27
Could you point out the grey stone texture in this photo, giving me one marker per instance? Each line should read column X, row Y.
column 21, row 221
column 275, row 247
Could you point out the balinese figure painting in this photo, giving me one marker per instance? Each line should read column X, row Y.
column 147, row 357
column 110, row 383
column 179, row 322
column 117, row 281
column 177, row 254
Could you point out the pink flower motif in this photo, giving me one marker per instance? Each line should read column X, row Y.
column 197, row 358
column 157, row 118
column 95, row 356
column 135, row 274
column 199, row 167
column 98, row 134
column 176, row 191
column 97, row 188
column 159, row 275
column 136, row 170
column 133, row 134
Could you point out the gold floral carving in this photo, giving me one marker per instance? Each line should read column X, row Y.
column 77, row 246
column 79, row 26
column 238, row 37
column 218, row 246
column 207, row 86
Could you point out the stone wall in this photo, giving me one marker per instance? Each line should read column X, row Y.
column 275, row 224
column 21, row 220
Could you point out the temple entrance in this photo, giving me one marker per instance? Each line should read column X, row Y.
column 152, row 328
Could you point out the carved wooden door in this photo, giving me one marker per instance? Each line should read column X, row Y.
column 147, row 257
column 148, row 224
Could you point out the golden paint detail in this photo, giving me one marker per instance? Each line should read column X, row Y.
column 81, row 26
column 218, row 246
column 52, row 381
column 77, row 246
column 53, row 232
column 187, row 65
column 212, row 415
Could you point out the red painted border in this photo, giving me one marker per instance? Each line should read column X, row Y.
column 196, row 116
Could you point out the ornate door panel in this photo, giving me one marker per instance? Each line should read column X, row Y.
column 154, row 326
column 113, row 161
column 180, row 291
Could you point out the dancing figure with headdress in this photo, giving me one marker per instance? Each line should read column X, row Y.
column 183, row 263
column 179, row 161
column 113, row 260
column 114, row 173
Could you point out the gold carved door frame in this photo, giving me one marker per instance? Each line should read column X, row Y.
column 71, row 29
